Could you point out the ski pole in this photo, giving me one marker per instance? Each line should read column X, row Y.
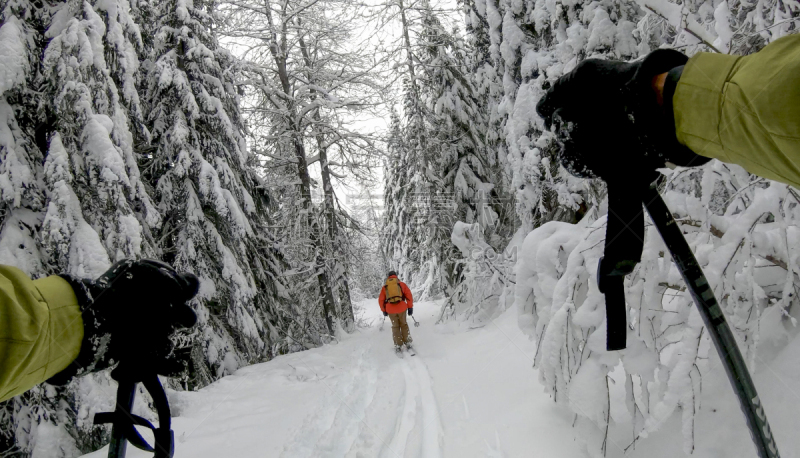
column 416, row 323
column 126, row 392
column 381, row 326
column 715, row 322
column 123, row 421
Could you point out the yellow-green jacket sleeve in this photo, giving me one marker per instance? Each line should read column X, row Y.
column 744, row 110
column 40, row 329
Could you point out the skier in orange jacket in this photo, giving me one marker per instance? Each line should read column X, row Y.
column 394, row 300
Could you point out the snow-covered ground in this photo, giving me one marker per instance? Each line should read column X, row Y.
column 467, row 393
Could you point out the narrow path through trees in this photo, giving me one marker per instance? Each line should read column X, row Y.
column 465, row 394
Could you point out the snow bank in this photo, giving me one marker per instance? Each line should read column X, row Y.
column 747, row 247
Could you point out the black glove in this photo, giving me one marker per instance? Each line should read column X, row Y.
column 385, row 313
column 410, row 311
column 129, row 314
column 608, row 123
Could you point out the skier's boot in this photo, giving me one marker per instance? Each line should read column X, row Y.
column 398, row 351
column 410, row 350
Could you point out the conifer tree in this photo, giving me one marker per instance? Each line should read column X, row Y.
column 21, row 149
column 214, row 216
column 445, row 131
column 99, row 207
column 73, row 199
column 403, row 214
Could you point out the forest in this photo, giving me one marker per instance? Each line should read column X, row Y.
column 291, row 152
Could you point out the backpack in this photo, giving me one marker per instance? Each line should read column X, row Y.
column 394, row 293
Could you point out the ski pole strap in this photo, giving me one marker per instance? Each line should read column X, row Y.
column 125, row 421
column 613, row 287
column 623, row 250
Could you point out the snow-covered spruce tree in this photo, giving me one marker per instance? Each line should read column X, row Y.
column 404, row 214
column 22, row 198
column 72, row 196
column 99, row 207
column 519, row 49
column 406, row 192
column 213, row 208
column 442, row 144
column 468, row 176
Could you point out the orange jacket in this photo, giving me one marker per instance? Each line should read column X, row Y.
column 398, row 307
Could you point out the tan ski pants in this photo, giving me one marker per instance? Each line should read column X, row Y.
column 399, row 328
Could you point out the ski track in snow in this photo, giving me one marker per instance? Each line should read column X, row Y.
column 419, row 429
column 331, row 431
column 432, row 433
column 341, row 427
column 406, row 417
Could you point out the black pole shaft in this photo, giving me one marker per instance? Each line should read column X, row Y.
column 126, row 391
column 716, row 324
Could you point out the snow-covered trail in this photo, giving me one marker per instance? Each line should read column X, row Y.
column 466, row 393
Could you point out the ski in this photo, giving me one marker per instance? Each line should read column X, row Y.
column 410, row 350
column 399, row 353
column 715, row 322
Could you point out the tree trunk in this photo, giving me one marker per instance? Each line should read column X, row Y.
column 416, row 116
column 278, row 51
column 338, row 268
column 409, row 56
column 316, row 243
